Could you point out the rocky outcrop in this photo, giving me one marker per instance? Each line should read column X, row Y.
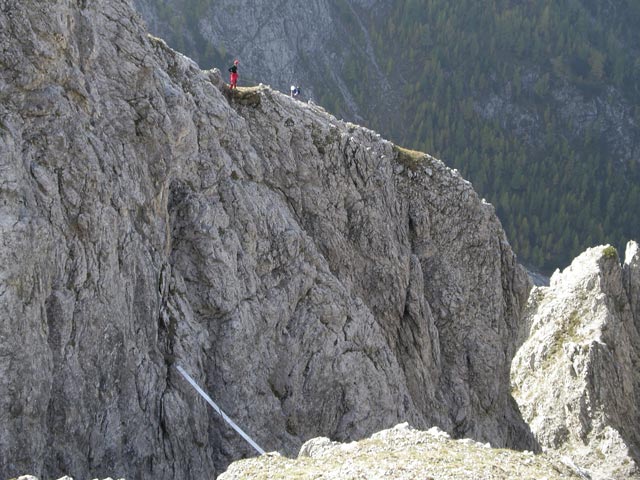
column 607, row 115
column 576, row 377
column 403, row 453
column 316, row 279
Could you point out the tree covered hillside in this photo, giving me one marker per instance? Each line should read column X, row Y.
column 537, row 103
column 526, row 98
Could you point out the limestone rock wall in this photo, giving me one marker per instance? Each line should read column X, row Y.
column 313, row 277
column 576, row 377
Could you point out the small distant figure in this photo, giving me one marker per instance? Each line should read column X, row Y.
column 233, row 78
column 295, row 91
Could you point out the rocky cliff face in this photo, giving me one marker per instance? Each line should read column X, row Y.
column 316, row 279
column 576, row 377
column 607, row 115
column 550, row 102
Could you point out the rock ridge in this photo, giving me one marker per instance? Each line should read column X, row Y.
column 403, row 453
column 313, row 277
column 576, row 376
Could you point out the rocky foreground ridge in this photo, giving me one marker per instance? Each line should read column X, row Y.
column 313, row 277
column 403, row 453
column 400, row 453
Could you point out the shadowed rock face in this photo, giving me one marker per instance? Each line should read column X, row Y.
column 313, row 277
column 576, row 377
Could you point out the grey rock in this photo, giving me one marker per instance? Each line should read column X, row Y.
column 538, row 279
column 403, row 453
column 312, row 44
column 576, row 377
column 606, row 115
column 149, row 217
column 316, row 447
column 308, row 44
column 631, row 280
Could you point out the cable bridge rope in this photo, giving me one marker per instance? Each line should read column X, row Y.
column 208, row 399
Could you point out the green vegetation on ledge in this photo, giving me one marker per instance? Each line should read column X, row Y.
column 610, row 252
column 411, row 159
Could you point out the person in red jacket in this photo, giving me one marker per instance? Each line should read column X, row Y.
column 233, row 80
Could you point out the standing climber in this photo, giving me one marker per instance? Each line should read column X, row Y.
column 295, row 91
column 233, row 80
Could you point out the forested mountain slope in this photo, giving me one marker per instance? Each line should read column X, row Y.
column 537, row 103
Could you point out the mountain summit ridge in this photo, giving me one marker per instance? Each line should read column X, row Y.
column 535, row 103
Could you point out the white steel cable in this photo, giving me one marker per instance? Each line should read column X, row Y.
column 204, row 395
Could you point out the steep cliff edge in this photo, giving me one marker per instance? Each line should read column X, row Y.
column 316, row 279
column 576, row 377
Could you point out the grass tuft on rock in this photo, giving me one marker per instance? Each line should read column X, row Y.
column 410, row 159
column 248, row 96
column 610, row 252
